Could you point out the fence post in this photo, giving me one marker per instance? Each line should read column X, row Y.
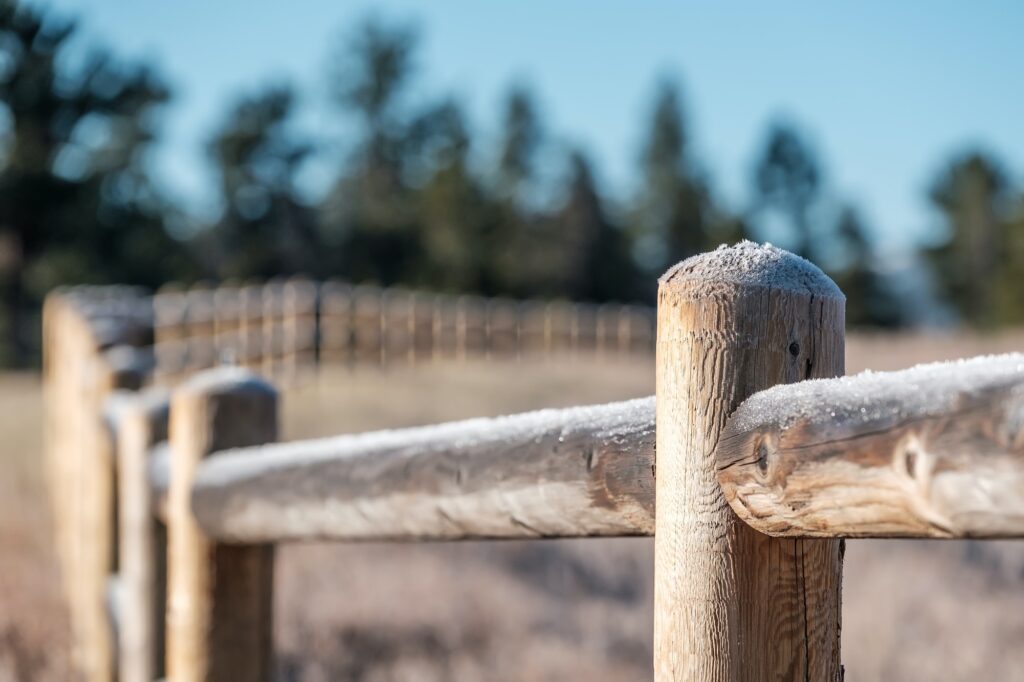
column 84, row 361
column 219, row 596
column 170, row 333
column 143, row 541
column 731, row 603
column 273, row 327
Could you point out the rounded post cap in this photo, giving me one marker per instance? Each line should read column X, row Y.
column 226, row 380
column 747, row 264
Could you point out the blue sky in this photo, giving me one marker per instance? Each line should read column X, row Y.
column 886, row 91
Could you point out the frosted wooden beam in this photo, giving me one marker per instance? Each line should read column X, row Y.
column 933, row 451
column 570, row 472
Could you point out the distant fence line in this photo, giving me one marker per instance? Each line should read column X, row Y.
column 281, row 327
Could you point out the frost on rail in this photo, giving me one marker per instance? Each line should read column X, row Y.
column 933, row 451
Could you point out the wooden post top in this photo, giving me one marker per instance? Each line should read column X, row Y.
column 240, row 407
column 222, row 381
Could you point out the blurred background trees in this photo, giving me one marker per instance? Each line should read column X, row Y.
column 264, row 229
column 672, row 218
column 415, row 199
column 789, row 184
column 76, row 202
column 979, row 262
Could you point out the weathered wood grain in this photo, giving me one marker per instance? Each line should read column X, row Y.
column 219, row 613
column 79, row 466
column 142, row 422
column 573, row 472
column 158, row 471
column 730, row 603
column 935, row 451
column 87, row 332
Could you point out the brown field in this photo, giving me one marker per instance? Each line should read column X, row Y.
column 543, row 610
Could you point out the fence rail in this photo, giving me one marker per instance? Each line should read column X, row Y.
column 733, row 461
column 934, row 451
column 554, row 473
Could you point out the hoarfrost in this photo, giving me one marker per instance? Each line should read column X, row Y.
column 750, row 264
column 883, row 397
column 609, row 422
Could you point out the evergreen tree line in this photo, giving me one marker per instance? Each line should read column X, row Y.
column 414, row 201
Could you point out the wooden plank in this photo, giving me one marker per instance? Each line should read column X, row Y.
column 573, row 472
column 730, row 603
column 934, row 451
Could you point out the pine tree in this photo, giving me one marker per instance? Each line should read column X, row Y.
column 976, row 264
column 1008, row 296
column 370, row 211
column 594, row 256
column 457, row 216
column 869, row 298
column 522, row 136
column 674, row 217
column 787, row 179
column 265, row 228
column 76, row 202
column 521, row 246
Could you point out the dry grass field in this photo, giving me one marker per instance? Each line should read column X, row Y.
column 545, row 610
column 33, row 625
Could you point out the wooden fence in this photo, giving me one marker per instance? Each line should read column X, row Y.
column 284, row 328
column 170, row 503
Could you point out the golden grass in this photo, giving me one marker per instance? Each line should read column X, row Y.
column 33, row 624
